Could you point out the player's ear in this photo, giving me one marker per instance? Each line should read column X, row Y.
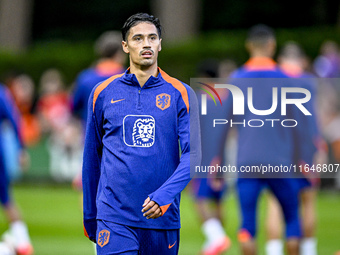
column 271, row 47
column 160, row 44
column 125, row 47
column 272, row 43
column 248, row 46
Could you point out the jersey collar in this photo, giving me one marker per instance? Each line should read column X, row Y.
column 151, row 82
column 260, row 64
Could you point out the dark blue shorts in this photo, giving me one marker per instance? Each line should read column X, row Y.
column 113, row 238
column 203, row 190
column 285, row 190
column 303, row 183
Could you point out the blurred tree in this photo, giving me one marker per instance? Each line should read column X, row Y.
column 15, row 24
column 338, row 23
column 87, row 19
column 81, row 19
column 221, row 14
column 179, row 18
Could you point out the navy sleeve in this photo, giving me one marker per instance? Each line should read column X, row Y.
column 188, row 126
column 91, row 165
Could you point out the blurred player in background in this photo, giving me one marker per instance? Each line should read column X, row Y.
column 133, row 172
column 17, row 236
column 64, row 142
column 209, row 192
column 226, row 67
column 23, row 91
column 327, row 64
column 111, row 59
column 265, row 145
column 293, row 62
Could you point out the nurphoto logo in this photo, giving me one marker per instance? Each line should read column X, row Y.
column 254, row 102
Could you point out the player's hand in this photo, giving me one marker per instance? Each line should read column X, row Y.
column 216, row 184
column 151, row 209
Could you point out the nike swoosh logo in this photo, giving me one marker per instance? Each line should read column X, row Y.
column 170, row 246
column 112, row 102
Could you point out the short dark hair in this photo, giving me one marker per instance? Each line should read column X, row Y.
column 108, row 44
column 138, row 18
column 260, row 33
column 292, row 50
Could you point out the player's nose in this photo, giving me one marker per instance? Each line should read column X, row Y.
column 146, row 43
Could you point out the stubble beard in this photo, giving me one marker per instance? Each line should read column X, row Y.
column 146, row 62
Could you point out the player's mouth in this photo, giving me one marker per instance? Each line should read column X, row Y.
column 147, row 53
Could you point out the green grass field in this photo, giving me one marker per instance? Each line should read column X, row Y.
column 55, row 221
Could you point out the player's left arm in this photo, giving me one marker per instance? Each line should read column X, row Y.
column 309, row 147
column 12, row 114
column 307, row 131
column 188, row 125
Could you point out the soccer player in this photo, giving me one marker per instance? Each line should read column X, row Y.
column 292, row 61
column 17, row 235
column 209, row 192
column 264, row 145
column 133, row 171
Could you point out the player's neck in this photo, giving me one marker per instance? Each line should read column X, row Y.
column 143, row 73
column 262, row 52
column 259, row 54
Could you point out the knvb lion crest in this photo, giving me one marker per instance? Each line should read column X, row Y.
column 163, row 101
column 139, row 130
column 143, row 134
column 103, row 237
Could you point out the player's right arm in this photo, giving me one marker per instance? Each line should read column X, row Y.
column 306, row 132
column 10, row 112
column 91, row 164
